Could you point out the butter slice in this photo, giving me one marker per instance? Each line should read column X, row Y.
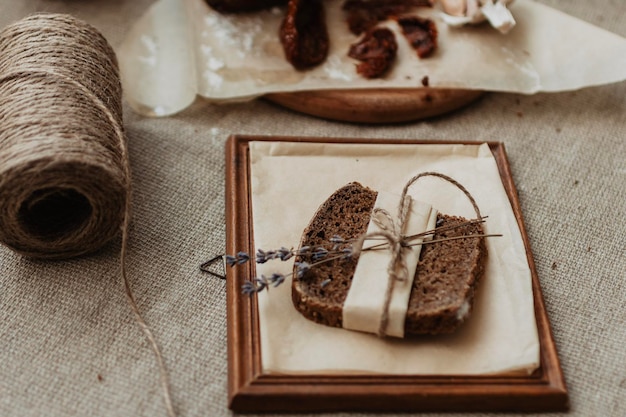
column 364, row 304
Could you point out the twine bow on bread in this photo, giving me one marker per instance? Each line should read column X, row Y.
column 393, row 232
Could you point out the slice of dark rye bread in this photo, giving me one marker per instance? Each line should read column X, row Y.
column 445, row 278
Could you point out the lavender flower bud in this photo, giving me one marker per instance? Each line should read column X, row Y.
column 284, row 253
column 248, row 288
column 263, row 256
column 319, row 253
column 242, row 258
column 301, row 269
column 260, row 256
column 262, row 283
column 230, row 260
column 277, row 279
column 337, row 239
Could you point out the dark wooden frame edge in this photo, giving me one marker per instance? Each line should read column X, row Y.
column 249, row 390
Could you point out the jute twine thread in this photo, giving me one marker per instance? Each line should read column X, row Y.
column 64, row 169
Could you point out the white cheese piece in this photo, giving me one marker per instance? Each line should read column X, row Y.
column 475, row 11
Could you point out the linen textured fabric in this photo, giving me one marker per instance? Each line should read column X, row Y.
column 69, row 344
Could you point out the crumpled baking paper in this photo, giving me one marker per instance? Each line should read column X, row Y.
column 182, row 48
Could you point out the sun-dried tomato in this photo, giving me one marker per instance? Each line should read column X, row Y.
column 421, row 34
column 363, row 15
column 303, row 33
column 376, row 51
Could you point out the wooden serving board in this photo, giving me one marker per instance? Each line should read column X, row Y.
column 252, row 390
column 376, row 106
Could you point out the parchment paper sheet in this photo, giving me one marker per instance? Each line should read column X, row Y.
column 181, row 48
column 289, row 182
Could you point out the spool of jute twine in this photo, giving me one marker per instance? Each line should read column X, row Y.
column 63, row 163
column 64, row 169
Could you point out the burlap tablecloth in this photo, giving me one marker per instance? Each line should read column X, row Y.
column 69, row 344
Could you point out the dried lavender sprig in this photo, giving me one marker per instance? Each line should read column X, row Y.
column 263, row 283
column 321, row 255
column 285, row 254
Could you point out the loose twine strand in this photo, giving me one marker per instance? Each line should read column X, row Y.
column 65, row 186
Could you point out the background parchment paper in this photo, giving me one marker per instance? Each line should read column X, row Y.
column 290, row 181
column 181, row 48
